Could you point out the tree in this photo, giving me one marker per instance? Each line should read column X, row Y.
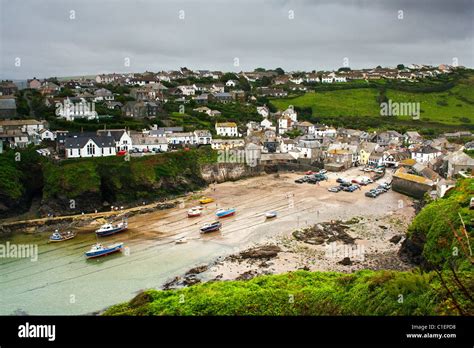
column 260, row 70
column 345, row 68
column 244, row 84
column 400, row 66
column 227, row 76
column 280, row 71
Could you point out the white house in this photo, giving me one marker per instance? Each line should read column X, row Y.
column 187, row 90
column 297, row 80
column 217, row 88
column 266, row 123
column 123, row 140
column 425, row 154
column 145, row 142
column 227, row 129
column 263, row 111
column 46, row 134
column 231, row 83
column 203, row 137
column 291, row 113
column 285, row 123
column 286, row 145
column 182, row 138
column 89, row 146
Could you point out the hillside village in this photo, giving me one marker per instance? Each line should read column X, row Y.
column 157, row 101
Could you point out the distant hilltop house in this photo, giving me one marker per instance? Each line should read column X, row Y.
column 227, row 129
column 332, row 77
column 8, row 88
column 34, row 83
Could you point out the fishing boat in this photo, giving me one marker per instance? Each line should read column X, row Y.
column 194, row 211
column 181, row 240
column 221, row 213
column 109, row 229
column 99, row 250
column 62, row 236
column 211, row 227
column 206, row 200
column 270, row 214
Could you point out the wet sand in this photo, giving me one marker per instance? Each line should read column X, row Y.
column 63, row 282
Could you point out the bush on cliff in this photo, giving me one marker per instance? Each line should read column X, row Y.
column 432, row 228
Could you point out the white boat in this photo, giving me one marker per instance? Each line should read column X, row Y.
column 98, row 250
column 194, row 211
column 109, row 229
column 270, row 214
column 181, row 240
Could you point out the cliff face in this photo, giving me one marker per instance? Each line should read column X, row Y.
column 220, row 172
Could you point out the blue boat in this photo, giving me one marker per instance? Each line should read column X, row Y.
column 99, row 250
column 211, row 227
column 221, row 213
column 109, row 229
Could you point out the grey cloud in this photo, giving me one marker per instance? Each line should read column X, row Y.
column 213, row 33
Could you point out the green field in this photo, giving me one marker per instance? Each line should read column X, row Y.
column 452, row 107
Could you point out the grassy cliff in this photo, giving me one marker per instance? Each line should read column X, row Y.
column 437, row 231
column 300, row 293
column 118, row 180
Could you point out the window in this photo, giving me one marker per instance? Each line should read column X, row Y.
column 90, row 149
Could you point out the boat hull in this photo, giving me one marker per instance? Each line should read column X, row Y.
column 107, row 251
column 226, row 213
column 111, row 232
column 212, row 228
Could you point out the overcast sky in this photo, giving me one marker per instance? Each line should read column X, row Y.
column 69, row 37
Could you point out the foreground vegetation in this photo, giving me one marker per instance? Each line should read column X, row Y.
column 300, row 293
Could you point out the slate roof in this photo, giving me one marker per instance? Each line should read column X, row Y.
column 78, row 142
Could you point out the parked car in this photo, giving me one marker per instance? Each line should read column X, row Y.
column 310, row 172
column 345, row 184
column 299, row 181
column 371, row 194
column 323, row 171
column 340, row 180
column 334, row 189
